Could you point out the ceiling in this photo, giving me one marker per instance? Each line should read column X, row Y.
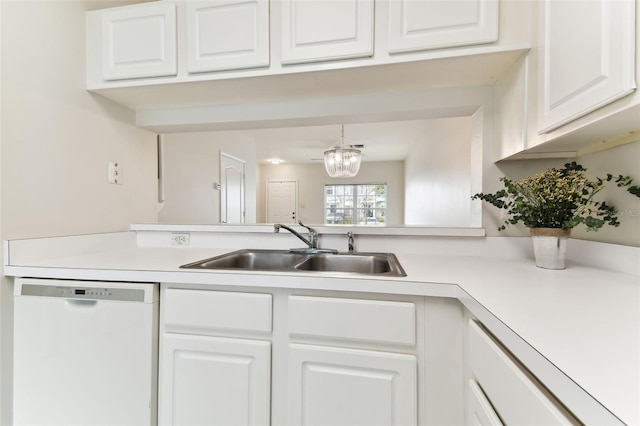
column 383, row 141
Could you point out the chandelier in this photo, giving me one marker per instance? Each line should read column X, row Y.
column 340, row 161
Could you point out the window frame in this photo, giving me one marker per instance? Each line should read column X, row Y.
column 365, row 203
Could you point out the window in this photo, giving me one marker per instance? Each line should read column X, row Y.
column 360, row 204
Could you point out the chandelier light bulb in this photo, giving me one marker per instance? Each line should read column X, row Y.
column 342, row 162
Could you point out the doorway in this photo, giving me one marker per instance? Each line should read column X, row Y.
column 231, row 189
column 282, row 201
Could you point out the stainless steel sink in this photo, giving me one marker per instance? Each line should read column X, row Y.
column 360, row 263
column 265, row 260
column 289, row 261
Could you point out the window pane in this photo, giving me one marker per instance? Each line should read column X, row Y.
column 363, row 204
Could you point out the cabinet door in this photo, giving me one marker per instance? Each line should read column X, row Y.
column 214, row 381
column 335, row 386
column 479, row 409
column 514, row 393
column 433, row 24
column 587, row 57
column 227, row 34
column 139, row 41
column 320, row 30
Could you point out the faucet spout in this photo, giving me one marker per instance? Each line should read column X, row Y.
column 312, row 242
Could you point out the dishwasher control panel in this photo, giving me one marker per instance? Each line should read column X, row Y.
column 93, row 293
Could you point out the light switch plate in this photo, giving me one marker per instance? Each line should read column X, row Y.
column 115, row 175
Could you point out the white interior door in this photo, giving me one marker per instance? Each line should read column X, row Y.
column 231, row 189
column 282, row 201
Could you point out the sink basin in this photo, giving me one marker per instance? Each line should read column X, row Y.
column 265, row 260
column 360, row 263
column 290, row 261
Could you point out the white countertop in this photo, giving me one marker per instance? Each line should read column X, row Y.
column 578, row 329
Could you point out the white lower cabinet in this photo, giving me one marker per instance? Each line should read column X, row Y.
column 340, row 386
column 501, row 383
column 480, row 411
column 215, row 381
column 290, row 358
column 213, row 368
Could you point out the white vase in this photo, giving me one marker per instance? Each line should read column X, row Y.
column 550, row 247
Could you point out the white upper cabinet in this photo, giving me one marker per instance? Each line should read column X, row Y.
column 139, row 41
column 587, row 57
column 227, row 34
column 317, row 30
column 429, row 24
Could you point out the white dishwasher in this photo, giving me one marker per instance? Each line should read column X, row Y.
column 85, row 353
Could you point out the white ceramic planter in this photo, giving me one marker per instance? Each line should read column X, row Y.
column 550, row 247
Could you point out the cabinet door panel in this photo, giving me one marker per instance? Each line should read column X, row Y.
column 215, row 381
column 480, row 411
column 430, row 24
column 514, row 393
column 575, row 79
column 335, row 386
column 226, row 35
column 317, row 30
column 139, row 41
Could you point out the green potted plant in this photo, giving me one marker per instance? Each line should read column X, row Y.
column 553, row 202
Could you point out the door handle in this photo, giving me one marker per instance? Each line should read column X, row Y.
column 82, row 302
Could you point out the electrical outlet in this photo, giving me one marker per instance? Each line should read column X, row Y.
column 180, row 239
column 115, row 175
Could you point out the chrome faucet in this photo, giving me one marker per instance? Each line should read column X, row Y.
column 312, row 240
column 350, row 242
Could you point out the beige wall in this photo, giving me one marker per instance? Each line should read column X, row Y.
column 191, row 165
column 312, row 178
column 56, row 142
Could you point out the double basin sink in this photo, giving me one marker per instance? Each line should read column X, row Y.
column 292, row 261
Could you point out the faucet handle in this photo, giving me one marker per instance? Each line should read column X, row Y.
column 311, row 230
column 313, row 235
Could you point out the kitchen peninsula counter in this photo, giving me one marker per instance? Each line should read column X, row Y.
column 577, row 330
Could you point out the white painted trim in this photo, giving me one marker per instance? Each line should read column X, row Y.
column 322, row 229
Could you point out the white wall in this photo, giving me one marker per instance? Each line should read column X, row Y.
column 56, row 142
column 312, row 178
column 191, row 164
column 58, row 139
column 438, row 175
column 623, row 160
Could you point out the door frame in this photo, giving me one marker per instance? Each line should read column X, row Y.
column 223, row 189
column 266, row 211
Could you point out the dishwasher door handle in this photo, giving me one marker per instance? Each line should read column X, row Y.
column 82, row 302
